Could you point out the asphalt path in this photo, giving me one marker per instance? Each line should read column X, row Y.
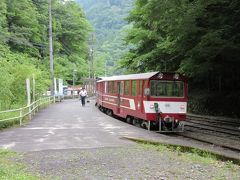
column 68, row 125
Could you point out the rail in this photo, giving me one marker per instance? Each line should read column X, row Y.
column 30, row 110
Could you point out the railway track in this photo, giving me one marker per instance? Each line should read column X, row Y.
column 216, row 131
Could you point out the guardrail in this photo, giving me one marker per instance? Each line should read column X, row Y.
column 30, row 110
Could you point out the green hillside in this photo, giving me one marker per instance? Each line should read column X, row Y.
column 108, row 19
column 24, row 49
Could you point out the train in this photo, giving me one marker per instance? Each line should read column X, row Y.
column 154, row 100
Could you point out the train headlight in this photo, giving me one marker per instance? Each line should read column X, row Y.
column 168, row 119
column 160, row 76
column 176, row 76
column 151, row 106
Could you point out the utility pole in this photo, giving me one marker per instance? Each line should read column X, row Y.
column 90, row 68
column 106, row 68
column 74, row 71
column 92, row 60
column 51, row 47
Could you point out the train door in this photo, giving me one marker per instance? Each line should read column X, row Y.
column 141, row 91
column 119, row 93
column 102, row 92
column 119, row 87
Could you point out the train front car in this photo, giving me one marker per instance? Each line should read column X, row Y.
column 166, row 102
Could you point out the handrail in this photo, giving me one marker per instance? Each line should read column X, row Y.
column 21, row 113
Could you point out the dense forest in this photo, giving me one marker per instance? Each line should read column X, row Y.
column 108, row 19
column 198, row 38
column 24, row 49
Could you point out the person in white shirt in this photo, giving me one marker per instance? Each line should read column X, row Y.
column 83, row 95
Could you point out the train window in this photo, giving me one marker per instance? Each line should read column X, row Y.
column 134, row 88
column 114, row 87
column 111, row 87
column 140, row 87
column 127, row 87
column 122, row 87
column 166, row 88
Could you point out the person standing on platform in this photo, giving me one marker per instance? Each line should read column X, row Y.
column 83, row 95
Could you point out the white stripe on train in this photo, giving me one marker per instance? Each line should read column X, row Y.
column 166, row 107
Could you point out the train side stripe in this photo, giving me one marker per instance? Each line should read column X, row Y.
column 166, row 107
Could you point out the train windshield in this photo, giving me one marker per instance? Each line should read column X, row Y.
column 166, row 88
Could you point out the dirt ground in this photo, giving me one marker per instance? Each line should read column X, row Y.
column 132, row 162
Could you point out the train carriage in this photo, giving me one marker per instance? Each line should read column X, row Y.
column 155, row 100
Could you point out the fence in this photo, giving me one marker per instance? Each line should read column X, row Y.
column 27, row 111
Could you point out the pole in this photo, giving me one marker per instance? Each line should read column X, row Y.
column 28, row 97
column 92, row 62
column 89, row 63
column 106, row 68
column 51, row 47
column 73, row 81
column 73, row 78
column 34, row 87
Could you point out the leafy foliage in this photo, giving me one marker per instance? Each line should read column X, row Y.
column 198, row 38
column 24, row 46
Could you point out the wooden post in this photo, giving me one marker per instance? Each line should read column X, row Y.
column 21, row 116
column 28, row 97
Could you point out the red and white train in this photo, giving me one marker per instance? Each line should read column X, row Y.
column 152, row 100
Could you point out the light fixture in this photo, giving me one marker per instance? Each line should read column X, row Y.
column 160, row 76
column 176, row 76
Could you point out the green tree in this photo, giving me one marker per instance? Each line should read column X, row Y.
column 198, row 38
column 23, row 26
column 3, row 21
column 24, row 46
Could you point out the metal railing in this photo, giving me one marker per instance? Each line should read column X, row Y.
column 27, row 111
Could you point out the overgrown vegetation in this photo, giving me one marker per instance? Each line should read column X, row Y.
column 24, row 46
column 197, row 38
column 11, row 170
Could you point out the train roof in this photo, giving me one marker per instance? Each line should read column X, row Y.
column 129, row 77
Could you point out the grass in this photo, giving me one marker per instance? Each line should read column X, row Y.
column 10, row 123
column 11, row 170
column 180, row 150
column 224, row 169
column 224, row 165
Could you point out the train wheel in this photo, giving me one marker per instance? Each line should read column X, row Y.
column 144, row 125
column 100, row 108
column 129, row 120
column 135, row 122
column 109, row 112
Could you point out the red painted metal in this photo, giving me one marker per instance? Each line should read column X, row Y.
column 135, row 106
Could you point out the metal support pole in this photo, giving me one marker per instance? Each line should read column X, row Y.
column 51, row 46
column 149, row 123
